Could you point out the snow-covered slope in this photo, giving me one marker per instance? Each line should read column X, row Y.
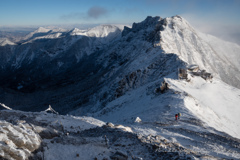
column 215, row 103
column 40, row 30
column 207, row 51
column 101, row 36
column 5, row 41
column 226, row 50
column 198, row 134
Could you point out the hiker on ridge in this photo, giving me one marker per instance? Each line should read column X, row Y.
column 179, row 114
column 176, row 116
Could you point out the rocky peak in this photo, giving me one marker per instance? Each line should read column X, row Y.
column 148, row 24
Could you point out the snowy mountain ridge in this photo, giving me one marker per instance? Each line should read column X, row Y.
column 117, row 76
column 5, row 41
column 99, row 31
column 43, row 31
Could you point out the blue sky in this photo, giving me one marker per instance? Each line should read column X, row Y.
column 48, row 12
column 206, row 15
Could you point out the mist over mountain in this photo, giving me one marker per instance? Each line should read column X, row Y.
column 152, row 70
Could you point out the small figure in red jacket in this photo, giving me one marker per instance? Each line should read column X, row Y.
column 176, row 116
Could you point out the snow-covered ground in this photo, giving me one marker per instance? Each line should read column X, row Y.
column 209, row 110
column 215, row 103
column 50, row 136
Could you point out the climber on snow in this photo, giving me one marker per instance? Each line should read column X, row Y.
column 179, row 114
column 176, row 116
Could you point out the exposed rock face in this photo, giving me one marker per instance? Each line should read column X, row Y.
column 159, row 69
column 119, row 156
column 18, row 141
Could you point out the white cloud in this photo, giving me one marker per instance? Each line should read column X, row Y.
column 96, row 12
column 220, row 28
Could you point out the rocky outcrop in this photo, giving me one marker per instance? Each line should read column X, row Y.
column 130, row 81
column 17, row 141
column 160, row 68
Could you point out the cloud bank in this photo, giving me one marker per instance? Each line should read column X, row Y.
column 95, row 12
column 218, row 27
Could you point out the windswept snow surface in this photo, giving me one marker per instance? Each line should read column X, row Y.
column 214, row 103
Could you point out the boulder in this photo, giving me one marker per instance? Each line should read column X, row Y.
column 109, row 124
column 119, row 156
column 138, row 120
